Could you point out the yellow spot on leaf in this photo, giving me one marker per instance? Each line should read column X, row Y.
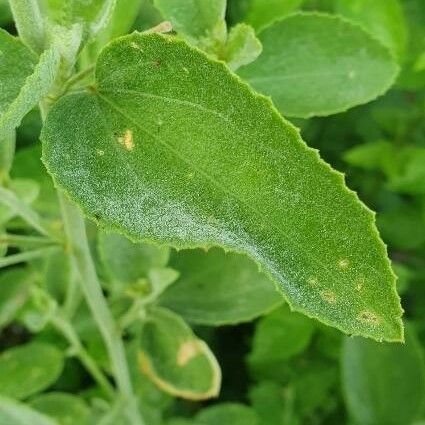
column 100, row 152
column 136, row 46
column 328, row 296
column 187, row 351
column 359, row 285
column 343, row 263
column 185, row 70
column 126, row 140
column 368, row 317
column 312, row 281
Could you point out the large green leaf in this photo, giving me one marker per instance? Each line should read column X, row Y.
column 383, row 383
column 24, row 80
column 171, row 147
column 29, row 368
column 382, row 18
column 14, row 413
column 175, row 359
column 217, row 288
column 316, row 64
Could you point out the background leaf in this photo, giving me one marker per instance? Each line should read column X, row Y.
column 178, row 362
column 383, row 383
column 29, row 369
column 382, row 18
column 14, row 413
column 217, row 288
column 66, row 409
column 260, row 13
column 23, row 79
column 316, row 64
column 227, row 414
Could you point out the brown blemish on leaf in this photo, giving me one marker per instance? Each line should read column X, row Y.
column 187, row 351
column 126, row 140
column 368, row 317
column 328, row 296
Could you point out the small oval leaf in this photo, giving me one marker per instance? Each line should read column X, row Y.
column 175, row 359
column 315, row 64
column 29, row 369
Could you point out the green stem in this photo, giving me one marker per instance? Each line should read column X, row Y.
column 23, row 257
column 78, row 244
column 19, row 207
column 19, row 240
column 67, row 330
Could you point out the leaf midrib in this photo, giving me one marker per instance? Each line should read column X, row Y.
column 282, row 273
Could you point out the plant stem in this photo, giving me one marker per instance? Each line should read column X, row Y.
column 22, row 257
column 66, row 329
column 8, row 198
column 18, row 240
column 78, row 244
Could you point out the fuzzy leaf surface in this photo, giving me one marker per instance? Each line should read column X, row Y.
column 24, row 80
column 173, row 148
column 316, row 64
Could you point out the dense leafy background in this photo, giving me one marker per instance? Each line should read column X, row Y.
column 281, row 368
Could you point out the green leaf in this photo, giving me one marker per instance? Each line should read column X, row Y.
column 261, row 13
column 5, row 13
column 27, row 165
column 382, row 18
column 196, row 19
column 217, row 288
column 179, row 151
column 14, row 413
column 242, row 47
column 7, row 152
column 66, row 409
column 412, row 175
column 92, row 15
column 29, row 369
column 316, row 64
column 127, row 262
column 24, row 80
column 383, row 383
column 14, row 291
column 270, row 402
column 278, row 337
column 175, row 359
column 25, row 190
column 227, row 414
column 403, row 226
